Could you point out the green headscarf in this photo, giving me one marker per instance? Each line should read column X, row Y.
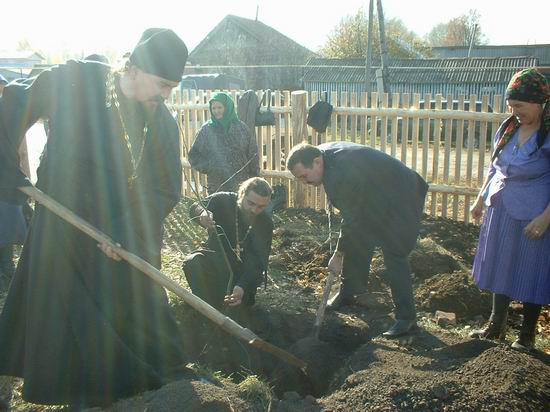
column 229, row 114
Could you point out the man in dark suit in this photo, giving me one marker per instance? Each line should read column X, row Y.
column 381, row 202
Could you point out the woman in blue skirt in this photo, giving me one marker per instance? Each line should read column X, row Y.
column 513, row 255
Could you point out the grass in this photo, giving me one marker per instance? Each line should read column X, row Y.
column 256, row 391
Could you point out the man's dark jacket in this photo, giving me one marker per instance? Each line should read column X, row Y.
column 376, row 194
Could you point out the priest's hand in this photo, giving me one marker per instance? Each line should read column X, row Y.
column 235, row 298
column 109, row 251
column 206, row 219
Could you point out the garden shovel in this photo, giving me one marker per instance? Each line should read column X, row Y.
column 201, row 306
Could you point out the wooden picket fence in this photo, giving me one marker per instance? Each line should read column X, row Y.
column 449, row 146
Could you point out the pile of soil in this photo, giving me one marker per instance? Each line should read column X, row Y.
column 350, row 367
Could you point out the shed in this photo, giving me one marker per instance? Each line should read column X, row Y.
column 455, row 76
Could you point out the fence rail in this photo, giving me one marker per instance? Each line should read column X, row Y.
column 448, row 141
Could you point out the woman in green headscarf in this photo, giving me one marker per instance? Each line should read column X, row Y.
column 224, row 148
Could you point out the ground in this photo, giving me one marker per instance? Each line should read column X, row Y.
column 350, row 366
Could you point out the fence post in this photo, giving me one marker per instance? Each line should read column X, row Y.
column 299, row 135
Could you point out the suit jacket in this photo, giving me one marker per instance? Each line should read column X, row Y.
column 375, row 193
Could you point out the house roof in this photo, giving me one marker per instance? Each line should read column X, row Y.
column 457, row 70
column 267, row 36
column 20, row 55
column 540, row 51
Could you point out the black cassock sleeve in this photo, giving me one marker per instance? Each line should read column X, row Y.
column 21, row 105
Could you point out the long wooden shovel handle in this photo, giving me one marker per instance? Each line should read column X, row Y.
column 200, row 305
column 323, row 305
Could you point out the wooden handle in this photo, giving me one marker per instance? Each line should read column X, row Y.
column 322, row 306
column 197, row 303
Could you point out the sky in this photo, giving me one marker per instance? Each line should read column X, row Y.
column 101, row 25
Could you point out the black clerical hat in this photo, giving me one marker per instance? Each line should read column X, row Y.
column 160, row 52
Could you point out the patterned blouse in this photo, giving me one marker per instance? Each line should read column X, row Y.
column 220, row 155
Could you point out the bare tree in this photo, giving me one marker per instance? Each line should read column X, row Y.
column 349, row 39
column 458, row 31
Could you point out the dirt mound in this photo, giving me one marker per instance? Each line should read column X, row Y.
column 431, row 374
column 429, row 259
column 453, row 292
column 350, row 367
column 195, row 395
column 458, row 238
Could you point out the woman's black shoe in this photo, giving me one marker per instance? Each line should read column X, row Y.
column 493, row 331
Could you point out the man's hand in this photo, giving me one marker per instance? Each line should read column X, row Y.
column 336, row 263
column 235, row 298
column 108, row 250
column 206, row 220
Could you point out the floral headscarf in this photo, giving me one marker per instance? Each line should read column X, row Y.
column 527, row 85
column 229, row 114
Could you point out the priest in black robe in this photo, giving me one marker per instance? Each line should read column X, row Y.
column 79, row 325
column 239, row 228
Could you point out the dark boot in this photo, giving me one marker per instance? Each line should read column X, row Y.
column 527, row 333
column 340, row 299
column 496, row 328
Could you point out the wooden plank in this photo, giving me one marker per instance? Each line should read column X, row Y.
column 424, row 113
column 447, row 157
column 482, row 142
column 384, row 124
column 364, row 126
column 470, row 158
column 299, row 132
column 405, row 129
column 333, row 117
column 277, row 137
column 415, row 133
column 426, row 138
column 373, row 122
column 344, row 117
column 354, row 117
column 287, row 144
column 394, row 124
column 497, row 101
column 458, row 155
column 435, row 153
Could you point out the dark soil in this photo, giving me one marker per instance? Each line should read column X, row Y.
column 350, row 367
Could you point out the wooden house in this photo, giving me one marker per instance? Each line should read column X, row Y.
column 17, row 64
column 250, row 50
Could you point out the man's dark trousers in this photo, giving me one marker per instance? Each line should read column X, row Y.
column 356, row 269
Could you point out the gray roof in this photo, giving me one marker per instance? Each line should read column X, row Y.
column 540, row 51
column 265, row 35
column 458, row 70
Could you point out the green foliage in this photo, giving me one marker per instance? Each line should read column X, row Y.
column 349, row 39
column 457, row 31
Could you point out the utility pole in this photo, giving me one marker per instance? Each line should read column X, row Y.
column 474, row 29
column 257, row 10
column 383, row 47
column 368, row 61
